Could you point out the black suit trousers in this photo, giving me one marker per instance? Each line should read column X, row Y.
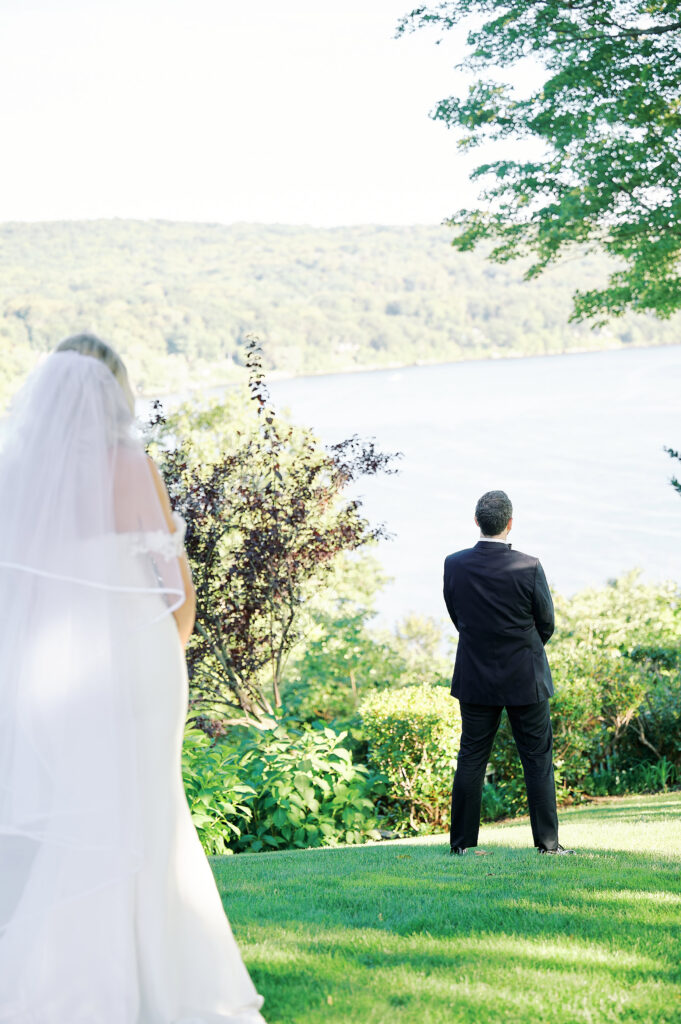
column 531, row 725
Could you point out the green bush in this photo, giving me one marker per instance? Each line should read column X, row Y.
column 345, row 658
column 598, row 695
column 616, row 663
column 413, row 736
column 616, row 716
column 493, row 805
column 617, row 707
column 656, row 730
column 308, row 791
column 278, row 789
column 642, row 777
column 339, row 665
column 217, row 793
column 616, row 712
column 624, row 616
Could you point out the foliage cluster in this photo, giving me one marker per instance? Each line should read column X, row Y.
column 346, row 658
column 282, row 788
column 413, row 736
column 616, row 712
column 590, row 156
column 179, row 300
column 219, row 797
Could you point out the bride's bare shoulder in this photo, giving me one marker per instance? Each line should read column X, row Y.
column 138, row 485
column 161, row 491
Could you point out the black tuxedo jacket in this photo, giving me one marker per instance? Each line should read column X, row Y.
column 500, row 602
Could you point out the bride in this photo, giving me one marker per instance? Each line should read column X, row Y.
column 108, row 909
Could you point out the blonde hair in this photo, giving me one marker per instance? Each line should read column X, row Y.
column 91, row 345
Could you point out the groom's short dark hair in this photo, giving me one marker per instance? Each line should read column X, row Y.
column 493, row 512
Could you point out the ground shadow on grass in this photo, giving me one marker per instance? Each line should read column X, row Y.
column 349, row 978
column 424, row 889
column 456, row 931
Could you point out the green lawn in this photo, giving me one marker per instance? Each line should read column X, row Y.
column 401, row 932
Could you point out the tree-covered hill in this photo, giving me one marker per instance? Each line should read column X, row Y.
column 179, row 299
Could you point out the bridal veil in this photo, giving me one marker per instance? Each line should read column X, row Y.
column 74, row 484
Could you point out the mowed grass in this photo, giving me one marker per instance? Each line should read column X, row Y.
column 400, row 932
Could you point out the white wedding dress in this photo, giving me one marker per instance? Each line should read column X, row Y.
column 188, row 965
column 109, row 913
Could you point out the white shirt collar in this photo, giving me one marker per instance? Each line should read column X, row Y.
column 493, row 540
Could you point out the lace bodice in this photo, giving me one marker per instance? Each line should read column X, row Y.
column 159, row 542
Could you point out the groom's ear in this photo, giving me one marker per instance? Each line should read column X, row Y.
column 475, row 520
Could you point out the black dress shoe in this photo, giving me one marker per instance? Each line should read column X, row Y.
column 457, row 851
column 558, row 850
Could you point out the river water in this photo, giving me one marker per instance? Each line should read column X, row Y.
column 576, row 441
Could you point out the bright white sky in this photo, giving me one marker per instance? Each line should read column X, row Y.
column 290, row 111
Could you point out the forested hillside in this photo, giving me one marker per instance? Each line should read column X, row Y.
column 178, row 299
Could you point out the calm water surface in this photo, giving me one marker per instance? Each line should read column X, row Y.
column 576, row 441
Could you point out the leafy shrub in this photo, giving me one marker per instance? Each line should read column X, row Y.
column 346, row 658
column 413, row 735
column 616, row 712
column 216, row 791
column 656, row 729
column 278, row 789
column 493, row 806
column 621, row 644
column 616, row 716
column 642, row 777
column 598, row 701
column 624, row 616
column 337, row 668
column 617, row 706
column 598, row 695
column 308, row 791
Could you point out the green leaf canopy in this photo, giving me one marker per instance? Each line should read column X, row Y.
column 604, row 117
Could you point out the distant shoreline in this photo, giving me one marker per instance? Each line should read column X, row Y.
column 280, row 375
column 179, row 300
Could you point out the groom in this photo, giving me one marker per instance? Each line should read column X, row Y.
column 500, row 603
